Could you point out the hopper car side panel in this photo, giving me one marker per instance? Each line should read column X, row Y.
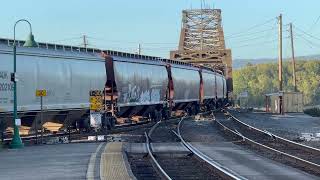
column 209, row 89
column 209, row 85
column 66, row 79
column 219, row 84
column 225, row 91
column 140, row 84
column 68, row 82
column 6, row 87
column 186, row 84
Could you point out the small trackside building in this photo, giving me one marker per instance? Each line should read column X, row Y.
column 292, row 102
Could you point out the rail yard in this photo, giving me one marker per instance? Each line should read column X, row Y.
column 213, row 145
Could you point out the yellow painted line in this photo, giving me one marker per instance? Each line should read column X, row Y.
column 92, row 162
column 112, row 165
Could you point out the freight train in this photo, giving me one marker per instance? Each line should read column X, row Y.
column 133, row 85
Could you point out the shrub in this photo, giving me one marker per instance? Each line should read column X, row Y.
column 315, row 112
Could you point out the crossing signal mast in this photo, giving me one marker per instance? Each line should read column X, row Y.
column 202, row 41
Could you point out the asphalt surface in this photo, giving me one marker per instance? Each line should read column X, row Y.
column 62, row 161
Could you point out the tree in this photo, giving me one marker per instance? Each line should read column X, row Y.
column 261, row 79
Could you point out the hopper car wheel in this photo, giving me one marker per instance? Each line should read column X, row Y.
column 197, row 109
column 217, row 104
column 157, row 116
column 188, row 111
column 86, row 124
column 164, row 114
column 3, row 127
column 111, row 122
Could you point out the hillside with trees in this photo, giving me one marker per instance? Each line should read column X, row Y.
column 261, row 79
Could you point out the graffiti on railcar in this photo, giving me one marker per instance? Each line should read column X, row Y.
column 5, row 83
column 139, row 94
column 140, row 83
column 6, row 88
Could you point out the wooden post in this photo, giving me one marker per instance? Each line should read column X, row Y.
column 280, row 65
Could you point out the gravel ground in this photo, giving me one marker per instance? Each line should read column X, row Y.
column 230, row 124
column 142, row 168
column 290, row 126
column 208, row 133
column 186, row 167
column 163, row 133
column 268, row 141
column 134, row 134
column 179, row 166
column 204, row 129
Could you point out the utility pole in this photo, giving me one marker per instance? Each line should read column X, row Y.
column 280, row 66
column 139, row 49
column 85, row 42
column 293, row 60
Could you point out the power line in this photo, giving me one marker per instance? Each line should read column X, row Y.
column 253, row 44
column 254, row 38
column 304, row 41
column 253, row 27
column 287, row 49
column 308, row 34
column 314, row 24
column 128, row 42
column 301, row 36
column 252, row 33
column 67, row 39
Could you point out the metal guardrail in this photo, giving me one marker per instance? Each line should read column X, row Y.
column 155, row 163
column 225, row 172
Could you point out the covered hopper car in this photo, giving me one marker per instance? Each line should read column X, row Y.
column 133, row 85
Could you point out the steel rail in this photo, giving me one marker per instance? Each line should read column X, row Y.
column 280, row 139
column 304, row 163
column 155, row 163
column 118, row 128
column 223, row 171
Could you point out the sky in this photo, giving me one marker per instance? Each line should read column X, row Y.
column 250, row 26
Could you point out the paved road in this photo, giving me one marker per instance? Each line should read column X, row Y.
column 63, row 161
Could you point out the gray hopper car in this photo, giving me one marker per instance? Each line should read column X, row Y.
column 133, row 85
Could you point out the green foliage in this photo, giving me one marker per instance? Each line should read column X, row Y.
column 261, row 79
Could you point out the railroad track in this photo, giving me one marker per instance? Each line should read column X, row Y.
column 193, row 166
column 285, row 151
column 221, row 170
column 74, row 135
